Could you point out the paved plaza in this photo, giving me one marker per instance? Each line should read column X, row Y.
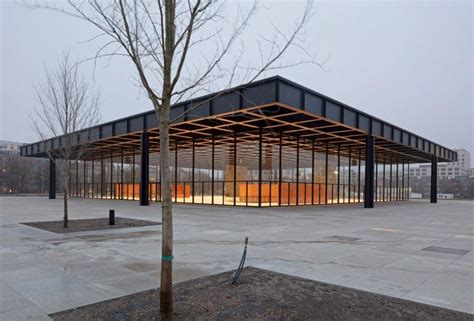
column 412, row 250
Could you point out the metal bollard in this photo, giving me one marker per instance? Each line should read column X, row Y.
column 111, row 217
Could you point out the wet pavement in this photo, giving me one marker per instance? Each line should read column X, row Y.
column 381, row 250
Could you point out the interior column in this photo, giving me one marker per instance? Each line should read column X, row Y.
column 434, row 179
column 369, row 172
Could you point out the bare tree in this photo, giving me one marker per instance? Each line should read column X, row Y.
column 22, row 175
column 15, row 173
column 67, row 109
column 178, row 49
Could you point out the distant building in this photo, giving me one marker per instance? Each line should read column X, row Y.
column 470, row 172
column 455, row 179
column 460, row 168
column 464, row 158
column 9, row 148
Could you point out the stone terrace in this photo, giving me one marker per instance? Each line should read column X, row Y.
column 412, row 250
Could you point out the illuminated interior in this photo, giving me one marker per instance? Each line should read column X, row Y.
column 295, row 171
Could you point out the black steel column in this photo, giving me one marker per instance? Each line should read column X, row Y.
column 260, row 146
column 52, row 179
column 369, row 172
column 434, row 179
column 144, row 170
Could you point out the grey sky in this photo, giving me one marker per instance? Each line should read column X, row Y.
column 409, row 63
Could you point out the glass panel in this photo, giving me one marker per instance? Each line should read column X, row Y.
column 344, row 176
column 354, row 175
column 305, row 173
column 136, row 186
column 319, row 174
column 173, row 170
column 270, row 158
column 288, row 186
column 224, row 171
column 202, row 171
column 361, row 177
column 247, row 170
column 332, row 175
column 154, row 177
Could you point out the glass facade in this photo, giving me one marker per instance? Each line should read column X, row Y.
column 259, row 168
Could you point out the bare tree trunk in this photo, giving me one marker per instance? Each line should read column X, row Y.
column 166, row 306
column 166, row 293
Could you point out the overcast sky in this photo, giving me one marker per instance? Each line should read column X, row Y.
column 409, row 63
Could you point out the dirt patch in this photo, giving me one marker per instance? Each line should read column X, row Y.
column 262, row 295
column 89, row 224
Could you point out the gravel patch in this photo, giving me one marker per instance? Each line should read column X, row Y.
column 262, row 295
column 89, row 224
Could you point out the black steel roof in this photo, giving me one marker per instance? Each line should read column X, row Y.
column 274, row 103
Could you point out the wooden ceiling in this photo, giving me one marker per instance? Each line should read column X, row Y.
column 278, row 121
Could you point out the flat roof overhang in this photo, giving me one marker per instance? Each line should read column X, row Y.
column 276, row 105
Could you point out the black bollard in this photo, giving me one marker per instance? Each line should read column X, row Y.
column 111, row 217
